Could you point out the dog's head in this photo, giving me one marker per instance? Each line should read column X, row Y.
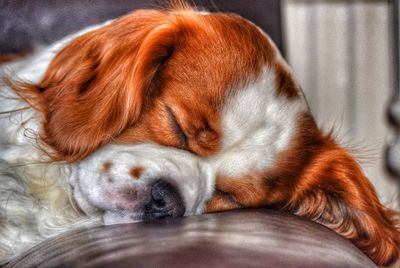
column 211, row 89
column 165, row 113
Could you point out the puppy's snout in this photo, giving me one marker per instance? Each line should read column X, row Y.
column 164, row 202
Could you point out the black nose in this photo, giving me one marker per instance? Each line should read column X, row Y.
column 165, row 202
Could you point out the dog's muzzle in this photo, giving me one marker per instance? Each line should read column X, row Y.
column 171, row 183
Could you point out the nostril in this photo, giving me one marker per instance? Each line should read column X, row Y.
column 165, row 202
column 160, row 192
column 158, row 203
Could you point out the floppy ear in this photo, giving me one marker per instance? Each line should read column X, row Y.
column 334, row 192
column 96, row 86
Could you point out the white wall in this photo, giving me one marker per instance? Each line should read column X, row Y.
column 341, row 52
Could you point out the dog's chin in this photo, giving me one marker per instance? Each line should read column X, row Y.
column 120, row 217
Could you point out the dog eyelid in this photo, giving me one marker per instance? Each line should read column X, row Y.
column 176, row 127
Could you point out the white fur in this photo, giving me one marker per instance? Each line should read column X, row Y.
column 257, row 125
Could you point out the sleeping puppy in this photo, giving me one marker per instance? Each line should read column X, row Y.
column 165, row 113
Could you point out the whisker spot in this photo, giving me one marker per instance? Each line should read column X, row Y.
column 136, row 172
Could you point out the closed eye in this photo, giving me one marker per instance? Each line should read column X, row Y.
column 177, row 128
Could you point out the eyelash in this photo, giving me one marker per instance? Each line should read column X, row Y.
column 177, row 128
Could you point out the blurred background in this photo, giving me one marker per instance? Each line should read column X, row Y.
column 342, row 52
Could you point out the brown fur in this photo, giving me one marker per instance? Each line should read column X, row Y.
column 136, row 172
column 106, row 167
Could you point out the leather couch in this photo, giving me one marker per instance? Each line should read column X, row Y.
column 242, row 238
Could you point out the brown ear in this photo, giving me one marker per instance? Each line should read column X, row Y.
column 96, row 86
column 334, row 192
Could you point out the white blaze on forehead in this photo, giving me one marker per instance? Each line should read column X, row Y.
column 257, row 125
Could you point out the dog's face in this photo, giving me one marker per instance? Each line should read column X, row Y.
column 171, row 113
column 210, row 89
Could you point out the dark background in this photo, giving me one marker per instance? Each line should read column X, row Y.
column 26, row 23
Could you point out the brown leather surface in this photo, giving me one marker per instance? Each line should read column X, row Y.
column 242, row 238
